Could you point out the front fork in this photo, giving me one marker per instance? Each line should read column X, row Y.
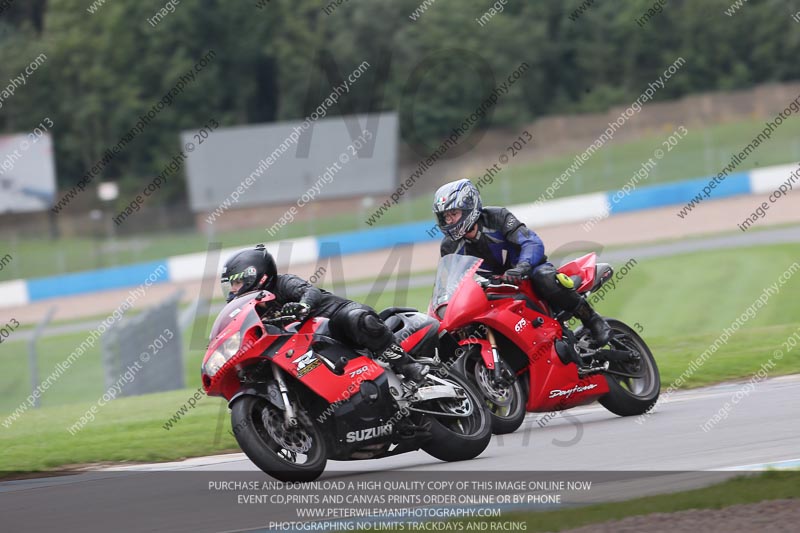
column 291, row 417
column 501, row 375
column 497, row 375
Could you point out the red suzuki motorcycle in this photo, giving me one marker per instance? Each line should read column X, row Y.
column 299, row 397
column 523, row 357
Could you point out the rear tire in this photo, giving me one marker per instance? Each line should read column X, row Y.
column 296, row 454
column 506, row 405
column 629, row 396
column 459, row 439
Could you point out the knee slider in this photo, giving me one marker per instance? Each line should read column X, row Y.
column 565, row 281
column 547, row 285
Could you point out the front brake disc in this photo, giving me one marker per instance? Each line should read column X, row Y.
column 294, row 439
column 500, row 396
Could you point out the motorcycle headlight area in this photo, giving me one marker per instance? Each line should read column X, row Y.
column 221, row 355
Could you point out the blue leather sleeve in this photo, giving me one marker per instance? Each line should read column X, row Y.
column 532, row 247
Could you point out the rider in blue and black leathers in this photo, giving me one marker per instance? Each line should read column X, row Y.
column 507, row 248
column 502, row 241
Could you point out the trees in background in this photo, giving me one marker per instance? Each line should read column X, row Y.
column 275, row 59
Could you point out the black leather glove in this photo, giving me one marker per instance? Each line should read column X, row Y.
column 519, row 272
column 298, row 309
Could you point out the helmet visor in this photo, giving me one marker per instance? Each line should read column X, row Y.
column 450, row 217
column 238, row 283
column 454, row 223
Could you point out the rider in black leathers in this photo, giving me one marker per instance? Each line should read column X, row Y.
column 357, row 324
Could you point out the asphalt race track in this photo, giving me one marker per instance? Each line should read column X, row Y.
column 622, row 457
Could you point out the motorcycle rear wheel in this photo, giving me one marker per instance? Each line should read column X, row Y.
column 631, row 396
column 287, row 454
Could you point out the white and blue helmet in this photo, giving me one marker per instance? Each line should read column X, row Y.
column 463, row 195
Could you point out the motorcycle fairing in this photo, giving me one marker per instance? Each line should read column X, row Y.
column 486, row 350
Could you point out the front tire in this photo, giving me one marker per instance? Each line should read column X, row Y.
column 287, row 454
column 506, row 405
column 631, row 396
column 459, row 439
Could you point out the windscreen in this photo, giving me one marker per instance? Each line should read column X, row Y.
column 453, row 268
column 233, row 310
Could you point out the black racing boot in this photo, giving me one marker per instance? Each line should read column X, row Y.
column 402, row 363
column 601, row 331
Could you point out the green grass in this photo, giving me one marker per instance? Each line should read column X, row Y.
column 740, row 490
column 741, row 357
column 83, row 381
column 703, row 152
column 704, row 292
column 125, row 430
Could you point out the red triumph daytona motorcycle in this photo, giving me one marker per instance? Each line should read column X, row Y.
column 522, row 357
column 298, row 397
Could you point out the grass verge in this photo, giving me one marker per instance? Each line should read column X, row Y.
column 740, row 490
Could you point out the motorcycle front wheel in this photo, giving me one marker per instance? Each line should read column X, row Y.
column 286, row 453
column 506, row 403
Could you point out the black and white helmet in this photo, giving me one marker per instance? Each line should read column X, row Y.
column 250, row 269
column 462, row 195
